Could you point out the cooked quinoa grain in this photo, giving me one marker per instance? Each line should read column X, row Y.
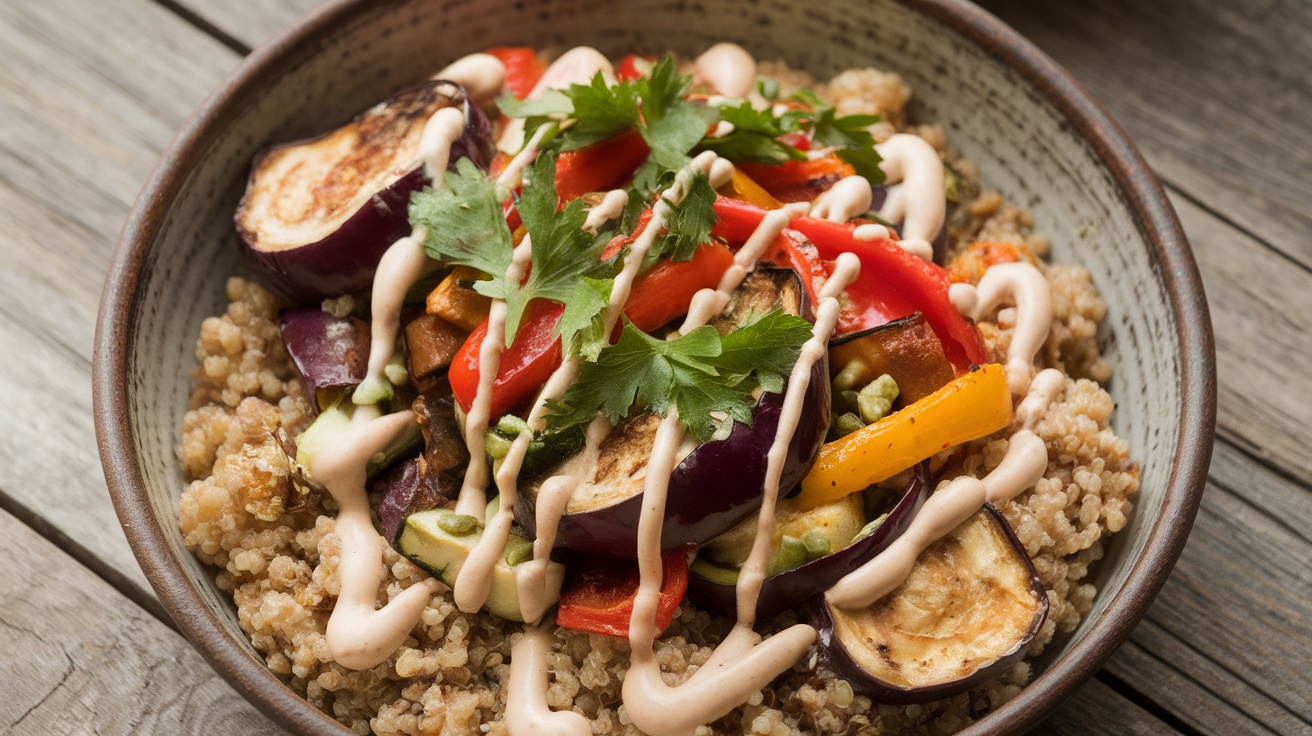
column 271, row 539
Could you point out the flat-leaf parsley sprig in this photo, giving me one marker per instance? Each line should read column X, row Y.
column 466, row 226
column 703, row 374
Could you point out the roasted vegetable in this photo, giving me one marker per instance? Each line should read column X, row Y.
column 597, row 596
column 440, row 540
column 331, row 353
column 714, row 586
column 969, row 607
column 719, row 482
column 970, row 407
column 906, row 349
column 318, row 214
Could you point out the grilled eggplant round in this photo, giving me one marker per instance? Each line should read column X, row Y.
column 318, row 214
column 968, row 609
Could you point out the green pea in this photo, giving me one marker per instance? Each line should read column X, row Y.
column 817, row 544
column 876, row 399
column 522, row 553
column 458, row 525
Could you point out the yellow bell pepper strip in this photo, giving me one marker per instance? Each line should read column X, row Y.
column 976, row 404
column 743, row 187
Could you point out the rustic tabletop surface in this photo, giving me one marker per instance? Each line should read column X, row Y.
column 1215, row 94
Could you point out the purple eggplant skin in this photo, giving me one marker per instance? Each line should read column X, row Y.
column 784, row 590
column 717, row 485
column 330, row 352
column 340, row 257
column 834, row 655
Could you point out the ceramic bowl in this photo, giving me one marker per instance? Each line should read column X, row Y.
column 1034, row 132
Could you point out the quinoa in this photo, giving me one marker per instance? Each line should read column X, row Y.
column 271, row 538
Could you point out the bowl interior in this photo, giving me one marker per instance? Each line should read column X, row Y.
column 351, row 55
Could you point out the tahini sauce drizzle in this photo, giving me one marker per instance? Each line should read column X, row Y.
column 728, row 68
column 482, row 76
column 1026, row 459
column 359, row 635
column 528, row 663
column 918, row 203
column 743, row 662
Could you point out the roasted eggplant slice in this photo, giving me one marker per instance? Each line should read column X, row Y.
column 318, row 214
column 967, row 610
column 718, row 483
column 332, row 353
column 714, row 587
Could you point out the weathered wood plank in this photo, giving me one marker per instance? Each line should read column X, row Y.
column 1261, row 309
column 1097, row 710
column 248, row 21
column 1216, row 95
column 1225, row 645
column 92, row 94
column 80, row 657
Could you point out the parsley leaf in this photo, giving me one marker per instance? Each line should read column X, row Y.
column 689, row 223
column 848, row 134
column 582, row 324
column 562, row 251
column 768, row 346
column 671, row 125
column 466, row 225
column 754, row 134
column 701, row 373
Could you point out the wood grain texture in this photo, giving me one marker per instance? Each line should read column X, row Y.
column 1098, row 710
column 78, row 656
column 1225, row 645
column 1216, row 95
column 249, row 22
column 92, row 92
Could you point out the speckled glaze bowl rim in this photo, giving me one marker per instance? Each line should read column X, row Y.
column 1142, row 194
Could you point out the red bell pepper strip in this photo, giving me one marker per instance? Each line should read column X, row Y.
column 598, row 594
column 891, row 280
column 523, row 68
column 663, row 292
column 600, row 165
column 525, row 365
column 798, row 181
column 634, row 66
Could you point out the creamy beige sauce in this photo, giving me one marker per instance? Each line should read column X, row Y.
column 1022, row 466
column 1044, row 389
column 1022, row 285
column 610, row 207
column 849, row 197
column 359, row 635
column 473, row 492
column 527, row 712
column 721, row 129
column 1026, row 459
column 482, row 76
column 442, row 130
column 511, row 176
column 728, row 69
column 744, row 662
column 919, row 202
column 752, row 575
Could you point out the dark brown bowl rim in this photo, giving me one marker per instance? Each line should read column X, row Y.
column 1143, row 194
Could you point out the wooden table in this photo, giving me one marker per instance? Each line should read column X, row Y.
column 1216, row 95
